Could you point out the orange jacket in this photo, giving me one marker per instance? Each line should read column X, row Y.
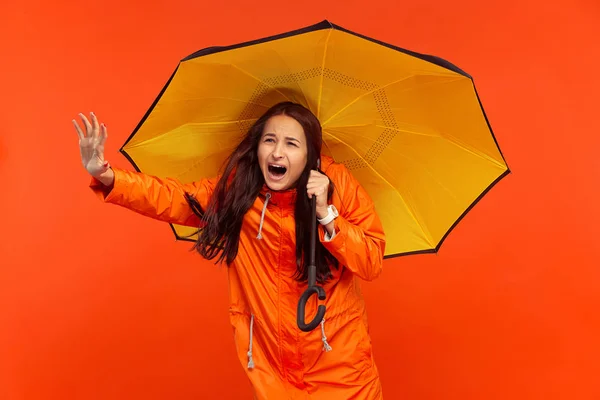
column 281, row 361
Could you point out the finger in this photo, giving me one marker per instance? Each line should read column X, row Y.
column 88, row 126
column 322, row 181
column 318, row 191
column 103, row 134
column 95, row 125
column 78, row 129
column 312, row 185
column 318, row 179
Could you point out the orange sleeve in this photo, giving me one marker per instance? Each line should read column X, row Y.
column 161, row 199
column 359, row 241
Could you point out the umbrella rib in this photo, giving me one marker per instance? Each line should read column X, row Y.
column 404, row 155
column 341, row 127
column 428, row 172
column 363, row 95
column 371, row 92
column 457, row 143
column 192, row 166
column 322, row 73
column 222, row 122
column 406, row 131
column 450, row 139
column 412, row 214
column 189, row 99
column 154, row 138
column 258, row 80
column 399, row 153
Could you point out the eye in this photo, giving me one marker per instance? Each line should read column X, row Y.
column 293, row 144
column 267, row 140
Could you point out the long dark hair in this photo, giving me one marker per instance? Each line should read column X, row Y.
column 241, row 183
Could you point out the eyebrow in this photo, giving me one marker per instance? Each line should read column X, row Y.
column 287, row 137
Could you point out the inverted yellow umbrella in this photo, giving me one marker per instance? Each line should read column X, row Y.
column 410, row 127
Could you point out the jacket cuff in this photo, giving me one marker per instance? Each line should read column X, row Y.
column 105, row 193
column 328, row 238
column 336, row 242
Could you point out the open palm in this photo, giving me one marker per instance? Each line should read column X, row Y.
column 91, row 145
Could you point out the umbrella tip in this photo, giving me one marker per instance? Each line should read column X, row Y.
column 325, row 22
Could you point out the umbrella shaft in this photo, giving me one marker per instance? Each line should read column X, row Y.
column 312, row 275
column 312, row 269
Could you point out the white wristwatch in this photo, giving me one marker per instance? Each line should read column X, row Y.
column 332, row 213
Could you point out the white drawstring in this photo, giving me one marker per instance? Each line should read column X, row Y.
column 250, row 360
column 262, row 217
column 326, row 346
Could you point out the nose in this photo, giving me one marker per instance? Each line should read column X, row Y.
column 278, row 151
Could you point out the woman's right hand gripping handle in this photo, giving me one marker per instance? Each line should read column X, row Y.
column 91, row 147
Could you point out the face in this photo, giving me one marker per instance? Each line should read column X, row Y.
column 282, row 152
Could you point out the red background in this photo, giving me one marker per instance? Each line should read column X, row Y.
column 100, row 303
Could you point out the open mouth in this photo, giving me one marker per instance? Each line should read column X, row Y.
column 277, row 171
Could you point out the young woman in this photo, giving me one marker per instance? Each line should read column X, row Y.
column 255, row 217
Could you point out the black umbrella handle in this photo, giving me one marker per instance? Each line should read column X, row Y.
column 318, row 290
column 312, row 279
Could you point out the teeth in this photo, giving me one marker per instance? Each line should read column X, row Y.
column 277, row 168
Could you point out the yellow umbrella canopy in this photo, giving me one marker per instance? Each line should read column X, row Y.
column 410, row 127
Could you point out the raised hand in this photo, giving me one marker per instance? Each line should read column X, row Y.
column 91, row 147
